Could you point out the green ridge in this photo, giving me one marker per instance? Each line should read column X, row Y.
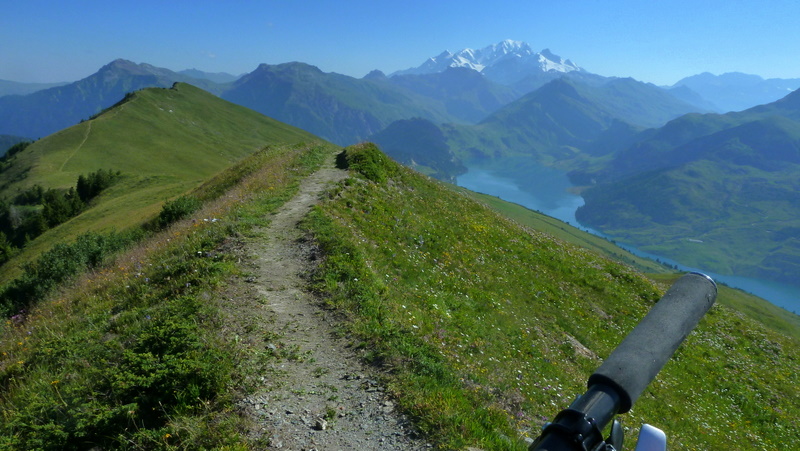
column 164, row 141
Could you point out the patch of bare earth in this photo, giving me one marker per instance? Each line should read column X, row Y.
column 309, row 390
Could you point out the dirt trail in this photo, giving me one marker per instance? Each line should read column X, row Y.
column 316, row 395
column 83, row 141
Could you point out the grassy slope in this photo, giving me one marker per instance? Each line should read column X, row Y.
column 134, row 354
column 488, row 328
column 559, row 229
column 774, row 317
column 165, row 142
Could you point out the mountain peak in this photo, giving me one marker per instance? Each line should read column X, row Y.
column 375, row 75
column 504, row 53
column 511, row 46
column 122, row 67
column 119, row 64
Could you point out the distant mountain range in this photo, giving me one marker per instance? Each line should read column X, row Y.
column 563, row 123
column 505, row 62
column 216, row 77
column 339, row 108
column 462, row 87
column 510, row 63
column 736, row 91
column 466, row 95
column 515, row 63
column 336, row 107
column 8, row 88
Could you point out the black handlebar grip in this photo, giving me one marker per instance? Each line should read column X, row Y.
column 642, row 354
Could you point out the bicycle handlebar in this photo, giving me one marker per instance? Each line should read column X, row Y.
column 623, row 376
column 634, row 364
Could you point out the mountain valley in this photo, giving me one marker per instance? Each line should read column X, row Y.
column 717, row 192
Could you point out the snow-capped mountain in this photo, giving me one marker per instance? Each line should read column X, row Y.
column 495, row 61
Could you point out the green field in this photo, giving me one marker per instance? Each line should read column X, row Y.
column 164, row 141
column 755, row 307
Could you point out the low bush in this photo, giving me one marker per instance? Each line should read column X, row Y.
column 368, row 160
column 176, row 210
column 58, row 265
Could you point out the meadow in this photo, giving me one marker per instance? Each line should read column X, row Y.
column 487, row 329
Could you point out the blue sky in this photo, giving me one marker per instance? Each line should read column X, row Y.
column 650, row 40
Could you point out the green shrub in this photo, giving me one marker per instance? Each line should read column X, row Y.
column 88, row 187
column 177, row 209
column 56, row 266
column 369, row 161
column 35, row 210
column 153, row 364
